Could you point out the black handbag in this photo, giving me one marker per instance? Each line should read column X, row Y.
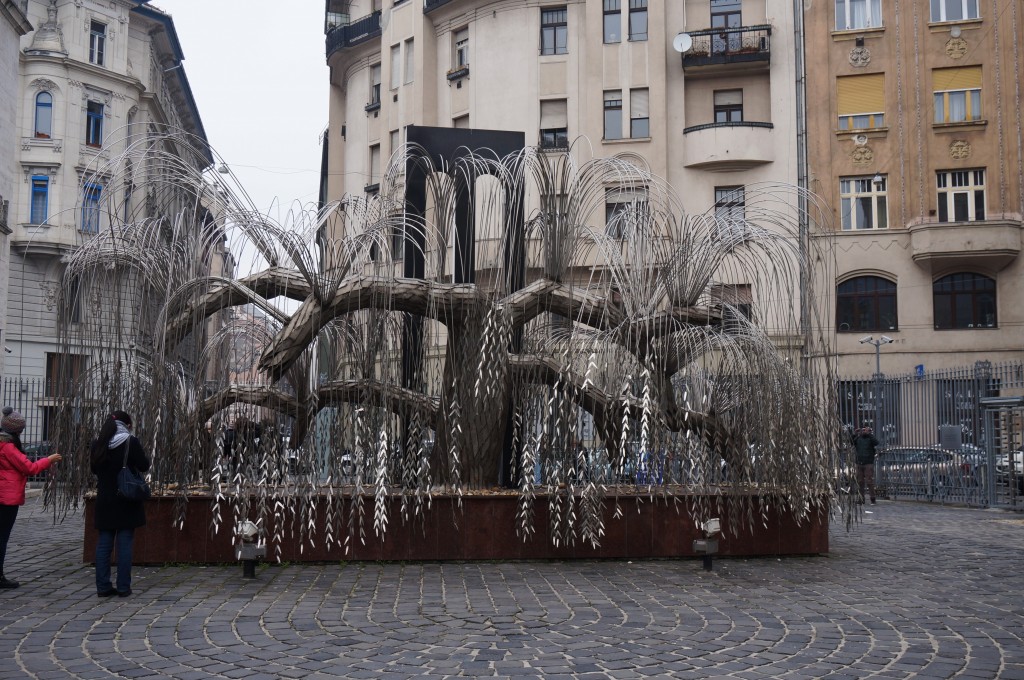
column 130, row 484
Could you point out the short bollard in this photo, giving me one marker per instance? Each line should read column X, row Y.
column 250, row 552
column 708, row 546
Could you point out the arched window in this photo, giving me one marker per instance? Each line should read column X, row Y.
column 44, row 115
column 964, row 300
column 866, row 303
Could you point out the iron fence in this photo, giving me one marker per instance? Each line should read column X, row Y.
column 940, row 439
column 29, row 397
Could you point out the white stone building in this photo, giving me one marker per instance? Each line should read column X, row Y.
column 93, row 74
column 13, row 25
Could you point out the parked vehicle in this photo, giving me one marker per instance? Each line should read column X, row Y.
column 1010, row 468
column 927, row 470
column 36, row 451
column 1003, row 463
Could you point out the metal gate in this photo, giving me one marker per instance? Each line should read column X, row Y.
column 1004, row 419
column 948, row 436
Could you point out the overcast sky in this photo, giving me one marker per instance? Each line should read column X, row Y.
column 258, row 73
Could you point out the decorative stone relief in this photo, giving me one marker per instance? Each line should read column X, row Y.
column 860, row 140
column 56, row 145
column 956, row 48
column 50, row 291
column 959, row 150
column 860, row 57
column 44, row 84
column 97, row 95
column 862, row 155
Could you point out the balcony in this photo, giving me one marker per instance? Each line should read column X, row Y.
column 992, row 244
column 728, row 147
column 431, row 5
column 53, row 145
column 355, row 33
column 724, row 48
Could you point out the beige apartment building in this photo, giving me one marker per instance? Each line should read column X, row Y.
column 915, row 142
column 603, row 75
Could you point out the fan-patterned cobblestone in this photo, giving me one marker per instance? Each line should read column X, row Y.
column 914, row 591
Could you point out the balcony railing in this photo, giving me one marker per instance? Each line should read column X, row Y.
column 355, row 33
column 736, row 124
column 729, row 46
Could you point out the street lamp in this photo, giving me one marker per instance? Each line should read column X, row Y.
column 884, row 340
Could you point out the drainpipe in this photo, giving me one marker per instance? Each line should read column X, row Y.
column 802, row 181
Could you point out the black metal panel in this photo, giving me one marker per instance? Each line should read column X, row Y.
column 444, row 147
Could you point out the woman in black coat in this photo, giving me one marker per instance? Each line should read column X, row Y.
column 116, row 517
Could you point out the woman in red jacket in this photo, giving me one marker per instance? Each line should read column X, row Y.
column 15, row 470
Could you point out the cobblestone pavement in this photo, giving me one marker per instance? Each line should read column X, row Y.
column 915, row 591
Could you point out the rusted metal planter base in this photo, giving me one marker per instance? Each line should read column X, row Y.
column 484, row 529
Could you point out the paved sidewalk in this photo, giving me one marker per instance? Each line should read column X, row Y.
column 915, row 591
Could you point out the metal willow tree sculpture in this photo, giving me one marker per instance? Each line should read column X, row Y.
column 629, row 350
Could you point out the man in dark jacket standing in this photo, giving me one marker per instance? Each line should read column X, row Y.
column 866, row 446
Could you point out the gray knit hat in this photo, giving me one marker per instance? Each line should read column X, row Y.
column 12, row 421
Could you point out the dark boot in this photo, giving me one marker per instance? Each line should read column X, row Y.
column 5, row 583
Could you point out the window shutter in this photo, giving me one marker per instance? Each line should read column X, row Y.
column 410, row 61
column 639, row 103
column 963, row 78
column 625, row 195
column 396, row 66
column 728, row 97
column 554, row 114
column 861, row 94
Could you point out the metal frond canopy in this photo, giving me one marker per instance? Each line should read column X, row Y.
column 601, row 344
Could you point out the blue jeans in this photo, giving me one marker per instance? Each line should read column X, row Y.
column 104, row 546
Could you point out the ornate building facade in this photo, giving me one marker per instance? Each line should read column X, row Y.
column 94, row 78
column 13, row 25
column 916, row 144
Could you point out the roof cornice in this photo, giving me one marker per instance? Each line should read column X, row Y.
column 165, row 20
column 14, row 16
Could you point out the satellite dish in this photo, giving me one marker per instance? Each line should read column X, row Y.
column 385, row 18
column 682, row 42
